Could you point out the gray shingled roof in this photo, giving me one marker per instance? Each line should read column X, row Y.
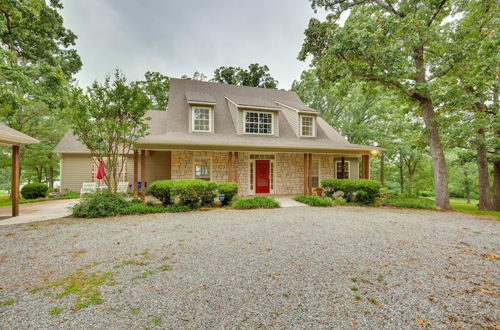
column 171, row 127
column 9, row 136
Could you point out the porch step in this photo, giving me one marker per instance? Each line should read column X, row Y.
column 289, row 202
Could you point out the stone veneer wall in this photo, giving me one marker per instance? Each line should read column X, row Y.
column 289, row 169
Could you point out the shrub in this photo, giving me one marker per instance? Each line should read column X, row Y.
column 314, row 200
column 339, row 201
column 162, row 190
column 135, row 207
column 410, row 202
column 349, row 187
column 194, row 192
column 100, row 204
column 255, row 203
column 34, row 190
column 229, row 189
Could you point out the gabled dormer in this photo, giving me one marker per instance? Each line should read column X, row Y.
column 254, row 116
column 201, row 112
column 304, row 120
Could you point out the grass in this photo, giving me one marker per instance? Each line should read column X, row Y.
column 312, row 200
column 85, row 286
column 150, row 272
column 410, row 202
column 56, row 311
column 7, row 302
column 460, row 204
column 259, row 202
column 5, row 200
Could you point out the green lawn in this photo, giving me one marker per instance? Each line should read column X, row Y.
column 460, row 204
column 5, row 201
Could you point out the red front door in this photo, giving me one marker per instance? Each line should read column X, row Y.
column 262, row 181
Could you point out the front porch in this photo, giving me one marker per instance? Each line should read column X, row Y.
column 257, row 173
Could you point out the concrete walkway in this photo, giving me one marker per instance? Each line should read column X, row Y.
column 38, row 211
column 289, row 202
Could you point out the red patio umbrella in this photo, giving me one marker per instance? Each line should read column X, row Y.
column 100, row 171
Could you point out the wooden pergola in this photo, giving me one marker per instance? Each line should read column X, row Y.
column 11, row 137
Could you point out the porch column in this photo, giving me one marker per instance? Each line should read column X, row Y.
column 236, row 165
column 230, row 167
column 143, row 174
column 14, row 190
column 310, row 178
column 365, row 165
column 136, row 173
column 306, row 171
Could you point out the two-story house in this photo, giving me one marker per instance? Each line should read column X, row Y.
column 266, row 140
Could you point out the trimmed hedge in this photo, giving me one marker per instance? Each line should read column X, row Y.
column 34, row 190
column 362, row 191
column 192, row 193
column 259, row 202
column 314, row 200
column 229, row 189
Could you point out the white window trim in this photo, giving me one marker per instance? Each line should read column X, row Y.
column 210, row 119
column 209, row 164
column 244, row 122
column 348, row 168
column 273, row 184
column 319, row 171
column 313, row 126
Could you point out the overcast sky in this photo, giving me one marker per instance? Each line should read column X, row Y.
column 180, row 37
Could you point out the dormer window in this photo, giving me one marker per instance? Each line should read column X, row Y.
column 307, row 126
column 202, row 121
column 258, row 122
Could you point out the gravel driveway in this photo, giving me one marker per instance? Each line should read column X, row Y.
column 343, row 267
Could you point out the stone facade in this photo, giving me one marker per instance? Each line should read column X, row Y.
column 288, row 169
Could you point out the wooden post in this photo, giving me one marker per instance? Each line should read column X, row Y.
column 143, row 174
column 230, row 167
column 310, row 179
column 236, row 165
column 14, row 190
column 306, row 163
column 365, row 164
column 136, row 173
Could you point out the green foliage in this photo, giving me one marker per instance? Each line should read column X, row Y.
column 108, row 119
column 314, row 200
column 162, row 190
column 229, row 189
column 256, row 76
column 139, row 207
column 156, row 87
column 34, row 190
column 339, row 201
column 410, row 202
column 259, row 202
column 366, row 191
column 194, row 192
column 102, row 203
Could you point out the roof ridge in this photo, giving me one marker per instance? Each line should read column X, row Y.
column 232, row 85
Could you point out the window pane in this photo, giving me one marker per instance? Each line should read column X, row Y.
column 258, row 122
column 201, row 119
column 307, row 126
column 338, row 169
column 202, row 168
column 315, row 173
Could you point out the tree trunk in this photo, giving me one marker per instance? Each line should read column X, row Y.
column 50, row 175
column 382, row 163
column 434, row 141
column 496, row 184
column 401, row 176
column 482, row 172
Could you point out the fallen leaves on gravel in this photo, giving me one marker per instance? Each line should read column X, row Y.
column 490, row 256
column 424, row 323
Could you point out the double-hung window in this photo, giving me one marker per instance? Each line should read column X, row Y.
column 201, row 119
column 202, row 168
column 307, row 126
column 258, row 123
column 315, row 173
column 342, row 173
